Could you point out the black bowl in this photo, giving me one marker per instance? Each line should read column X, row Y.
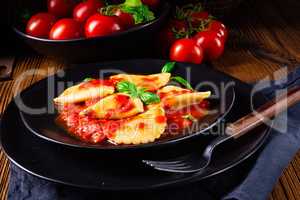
column 134, row 42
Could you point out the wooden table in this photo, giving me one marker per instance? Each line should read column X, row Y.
column 270, row 33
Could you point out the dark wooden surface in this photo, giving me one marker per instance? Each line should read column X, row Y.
column 265, row 37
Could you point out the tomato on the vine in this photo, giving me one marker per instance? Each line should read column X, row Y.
column 212, row 44
column 186, row 50
column 126, row 18
column 61, row 8
column 65, row 29
column 197, row 17
column 220, row 28
column 200, row 15
column 175, row 29
column 39, row 25
column 101, row 25
column 85, row 9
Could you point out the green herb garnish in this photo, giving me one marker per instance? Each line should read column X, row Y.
column 131, row 89
column 87, row 79
column 140, row 12
column 182, row 81
column 168, row 67
column 149, row 98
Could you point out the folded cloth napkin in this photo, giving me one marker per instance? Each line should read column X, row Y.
column 279, row 150
column 257, row 184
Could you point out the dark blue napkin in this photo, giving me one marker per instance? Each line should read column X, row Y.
column 233, row 184
column 279, row 150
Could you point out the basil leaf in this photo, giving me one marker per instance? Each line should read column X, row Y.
column 87, row 79
column 148, row 98
column 128, row 88
column 141, row 14
column 131, row 89
column 182, row 81
column 168, row 67
column 133, row 3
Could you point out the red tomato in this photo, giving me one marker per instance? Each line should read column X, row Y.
column 197, row 17
column 100, row 25
column 186, row 50
column 85, row 9
column 126, row 18
column 65, row 29
column 200, row 15
column 61, row 8
column 39, row 25
column 167, row 36
column 211, row 43
column 151, row 3
column 220, row 28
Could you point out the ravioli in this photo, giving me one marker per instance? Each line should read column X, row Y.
column 116, row 106
column 174, row 97
column 171, row 90
column 141, row 129
column 150, row 82
column 82, row 92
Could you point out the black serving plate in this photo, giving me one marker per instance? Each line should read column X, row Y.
column 91, row 169
column 44, row 126
column 132, row 43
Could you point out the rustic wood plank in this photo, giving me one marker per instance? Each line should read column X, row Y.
column 278, row 193
column 6, row 92
column 274, row 27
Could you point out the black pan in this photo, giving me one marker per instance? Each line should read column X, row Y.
column 73, row 166
column 44, row 126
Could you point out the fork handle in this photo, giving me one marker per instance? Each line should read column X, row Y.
column 263, row 113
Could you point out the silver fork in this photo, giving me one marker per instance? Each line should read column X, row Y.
column 194, row 163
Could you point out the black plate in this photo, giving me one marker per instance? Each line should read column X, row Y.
column 116, row 46
column 44, row 126
column 89, row 169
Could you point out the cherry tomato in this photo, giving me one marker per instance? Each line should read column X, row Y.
column 197, row 17
column 39, row 25
column 200, row 15
column 170, row 33
column 100, row 25
column 85, row 9
column 65, row 29
column 126, row 18
column 61, row 8
column 151, row 3
column 211, row 43
column 220, row 28
column 186, row 50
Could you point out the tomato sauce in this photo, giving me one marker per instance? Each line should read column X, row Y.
column 86, row 128
column 96, row 83
column 93, row 130
column 183, row 118
column 151, row 79
column 162, row 95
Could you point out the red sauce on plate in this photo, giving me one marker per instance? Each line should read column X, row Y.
column 151, row 79
column 96, row 83
column 180, row 119
column 87, row 128
column 173, row 93
column 92, row 130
